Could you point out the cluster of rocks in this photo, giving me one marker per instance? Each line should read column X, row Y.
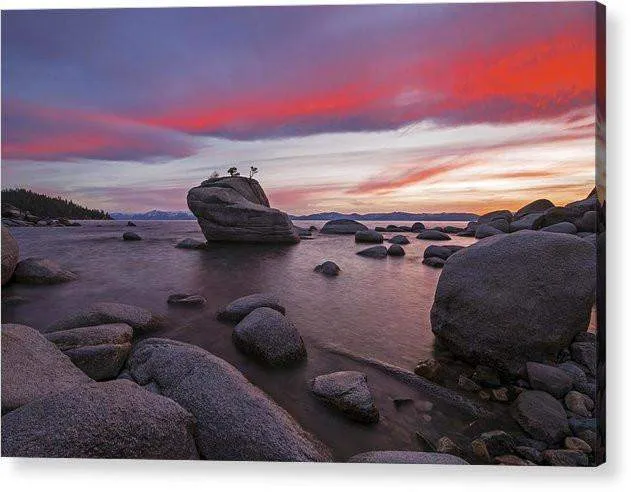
column 149, row 399
column 578, row 217
column 14, row 217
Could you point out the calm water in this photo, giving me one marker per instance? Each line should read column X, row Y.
column 376, row 308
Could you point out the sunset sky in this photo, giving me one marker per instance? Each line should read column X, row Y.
column 431, row 108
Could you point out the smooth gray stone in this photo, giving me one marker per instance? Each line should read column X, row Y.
column 240, row 308
column 432, row 235
column 348, row 392
column 368, row 237
column 374, row 252
column 342, row 226
column 541, row 416
column 328, row 268
column 42, row 271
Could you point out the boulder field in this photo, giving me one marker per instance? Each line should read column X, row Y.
column 236, row 209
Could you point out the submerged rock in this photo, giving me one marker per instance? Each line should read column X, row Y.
column 235, row 420
column 328, row 268
column 374, row 252
column 434, row 261
column 32, row 368
column 433, row 235
column 342, row 226
column 240, row 308
column 269, row 337
column 42, row 271
column 407, row 457
column 186, row 299
column 131, row 236
column 515, row 298
column 368, row 237
column 190, row 243
column 116, row 419
column 541, row 416
column 235, row 208
column 101, row 313
column 99, row 351
column 10, row 255
column 347, row 391
column 399, row 240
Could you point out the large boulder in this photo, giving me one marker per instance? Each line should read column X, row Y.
column 541, row 416
column 537, row 206
column 407, row 457
column 525, row 222
column 496, row 214
column 99, row 351
column 555, row 215
column 368, row 237
column 399, row 239
column 444, row 252
column 236, row 209
column 588, row 222
column 396, row 250
column 348, row 392
column 116, row 419
column 514, row 298
column 32, row 368
column 269, row 337
column 102, row 313
column 42, row 271
column 10, row 255
column 235, row 420
column 342, row 226
column 240, row 308
column 374, row 252
column 561, row 228
column 486, row 230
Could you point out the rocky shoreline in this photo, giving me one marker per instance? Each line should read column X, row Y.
column 513, row 356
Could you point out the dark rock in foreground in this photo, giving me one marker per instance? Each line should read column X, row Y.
column 32, row 368
column 347, row 391
column 342, row 226
column 235, row 420
column 10, row 255
column 515, row 298
column 486, row 230
column 42, row 271
column 443, row 252
column 407, row 457
column 240, row 308
column 328, row 268
column 396, row 250
column 374, row 252
column 236, row 209
column 269, row 337
column 541, row 416
column 399, row 240
column 368, row 237
column 101, row 313
column 116, row 419
column 99, row 351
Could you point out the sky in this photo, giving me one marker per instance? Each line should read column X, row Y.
column 418, row 108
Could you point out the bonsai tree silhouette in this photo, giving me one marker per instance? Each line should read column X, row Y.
column 233, row 171
column 253, row 171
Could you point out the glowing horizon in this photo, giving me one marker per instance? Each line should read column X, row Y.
column 416, row 108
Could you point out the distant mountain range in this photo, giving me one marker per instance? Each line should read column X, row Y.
column 390, row 216
column 153, row 215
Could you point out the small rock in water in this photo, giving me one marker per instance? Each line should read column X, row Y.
column 328, row 268
column 131, row 236
column 577, row 444
column 187, row 299
column 549, row 378
column 368, row 237
column 399, row 240
column 42, row 271
column 434, row 261
column 396, row 250
column 240, row 308
column 564, row 457
column 269, row 337
column 374, row 252
column 190, row 243
column 130, row 224
column 347, row 391
column 433, row 235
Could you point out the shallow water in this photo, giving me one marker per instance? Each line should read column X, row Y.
column 376, row 308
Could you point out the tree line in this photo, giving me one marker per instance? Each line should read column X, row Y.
column 48, row 207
